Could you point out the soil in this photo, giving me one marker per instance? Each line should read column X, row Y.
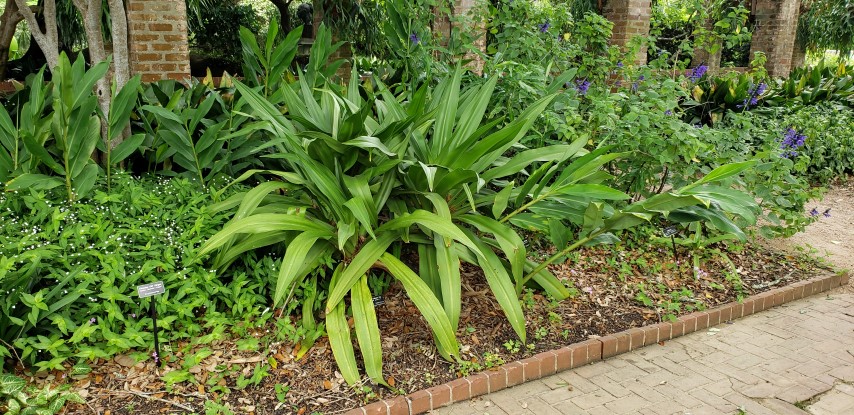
column 832, row 235
column 614, row 287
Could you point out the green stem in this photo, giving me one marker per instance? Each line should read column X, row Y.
column 558, row 255
column 522, row 208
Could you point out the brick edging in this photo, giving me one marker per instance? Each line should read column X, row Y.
column 588, row 351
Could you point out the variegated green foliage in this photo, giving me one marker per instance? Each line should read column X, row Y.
column 364, row 175
column 20, row 399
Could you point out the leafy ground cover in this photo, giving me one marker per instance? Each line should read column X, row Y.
column 493, row 215
column 252, row 370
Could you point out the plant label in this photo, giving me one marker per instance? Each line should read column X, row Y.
column 378, row 300
column 148, row 290
column 670, row 231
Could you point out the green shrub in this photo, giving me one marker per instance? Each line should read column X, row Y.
column 369, row 178
column 828, row 151
column 70, row 272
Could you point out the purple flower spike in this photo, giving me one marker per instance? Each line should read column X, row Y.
column 93, row 320
column 668, row 112
column 698, row 73
column 545, row 26
column 414, row 38
column 792, row 140
column 826, row 213
column 581, row 86
column 814, row 212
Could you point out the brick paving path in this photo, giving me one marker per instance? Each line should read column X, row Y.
column 794, row 359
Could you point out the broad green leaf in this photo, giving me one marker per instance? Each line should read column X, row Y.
column 292, row 262
column 720, row 173
column 358, row 266
column 510, row 242
column 34, row 181
column 556, row 153
column 11, row 384
column 261, row 223
column 126, row 148
column 342, row 345
column 548, row 282
column 367, row 331
column 448, row 266
column 427, row 304
column 501, row 286
column 502, row 198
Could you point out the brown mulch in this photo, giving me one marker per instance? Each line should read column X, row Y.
column 606, row 282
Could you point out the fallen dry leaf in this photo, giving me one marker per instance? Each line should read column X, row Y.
column 125, row 360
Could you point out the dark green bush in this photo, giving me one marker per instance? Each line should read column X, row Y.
column 69, row 272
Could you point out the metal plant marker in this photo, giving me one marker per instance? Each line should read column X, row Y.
column 149, row 290
column 671, row 231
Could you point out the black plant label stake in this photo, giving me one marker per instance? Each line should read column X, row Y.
column 149, row 290
column 671, row 231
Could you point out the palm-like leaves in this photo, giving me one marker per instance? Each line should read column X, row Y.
column 426, row 171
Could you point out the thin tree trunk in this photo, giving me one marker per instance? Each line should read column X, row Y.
column 284, row 14
column 119, row 30
column 91, row 12
column 121, row 54
column 8, row 22
column 46, row 40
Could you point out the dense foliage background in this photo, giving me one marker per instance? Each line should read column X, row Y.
column 293, row 193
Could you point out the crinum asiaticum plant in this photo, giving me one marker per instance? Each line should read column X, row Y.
column 362, row 178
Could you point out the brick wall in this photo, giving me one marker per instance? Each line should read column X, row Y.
column 442, row 27
column 630, row 18
column 776, row 25
column 157, row 35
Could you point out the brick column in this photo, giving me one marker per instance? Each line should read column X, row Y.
column 776, row 25
column 630, row 18
column 157, row 34
column 442, row 25
column 703, row 55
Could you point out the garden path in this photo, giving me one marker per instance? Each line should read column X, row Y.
column 830, row 236
column 793, row 359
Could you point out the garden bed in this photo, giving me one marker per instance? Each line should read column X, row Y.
column 616, row 288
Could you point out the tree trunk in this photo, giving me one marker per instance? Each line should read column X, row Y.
column 119, row 31
column 284, row 14
column 121, row 54
column 91, row 12
column 8, row 22
column 46, row 40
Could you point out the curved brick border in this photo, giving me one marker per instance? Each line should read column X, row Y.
column 580, row 354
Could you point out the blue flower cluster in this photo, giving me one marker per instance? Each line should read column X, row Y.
column 414, row 38
column 753, row 95
column 545, row 26
column 792, row 141
column 581, row 86
column 698, row 73
column 814, row 212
